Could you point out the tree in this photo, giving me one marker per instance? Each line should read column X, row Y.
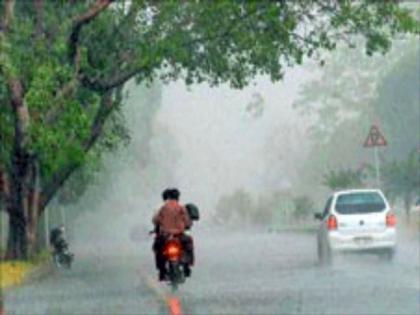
column 241, row 208
column 398, row 107
column 235, row 208
column 343, row 179
column 304, row 207
column 63, row 65
column 401, row 179
column 353, row 92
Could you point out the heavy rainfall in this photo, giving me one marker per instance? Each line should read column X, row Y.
column 291, row 127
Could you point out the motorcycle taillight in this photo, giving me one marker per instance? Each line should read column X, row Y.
column 173, row 250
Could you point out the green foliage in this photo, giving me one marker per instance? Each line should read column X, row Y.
column 41, row 257
column 353, row 92
column 279, row 208
column 304, row 207
column 240, row 209
column 398, row 105
column 234, row 208
column 249, row 38
column 66, row 70
column 401, row 179
column 343, row 179
column 139, row 112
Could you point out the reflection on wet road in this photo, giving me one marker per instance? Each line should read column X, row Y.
column 236, row 273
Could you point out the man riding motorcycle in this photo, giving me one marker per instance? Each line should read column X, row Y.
column 61, row 254
column 172, row 219
column 58, row 239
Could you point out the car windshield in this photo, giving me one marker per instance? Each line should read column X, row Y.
column 365, row 202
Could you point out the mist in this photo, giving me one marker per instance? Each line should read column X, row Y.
column 224, row 147
column 204, row 140
column 307, row 187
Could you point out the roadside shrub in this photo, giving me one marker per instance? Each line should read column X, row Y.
column 304, row 207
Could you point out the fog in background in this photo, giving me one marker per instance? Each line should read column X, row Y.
column 206, row 141
column 225, row 146
column 213, row 141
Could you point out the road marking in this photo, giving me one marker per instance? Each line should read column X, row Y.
column 172, row 302
column 174, row 306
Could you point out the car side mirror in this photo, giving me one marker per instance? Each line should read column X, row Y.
column 318, row 216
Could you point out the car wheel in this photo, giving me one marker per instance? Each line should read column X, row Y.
column 324, row 254
column 319, row 251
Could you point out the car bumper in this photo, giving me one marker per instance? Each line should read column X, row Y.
column 363, row 242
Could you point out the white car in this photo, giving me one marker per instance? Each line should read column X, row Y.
column 417, row 206
column 356, row 221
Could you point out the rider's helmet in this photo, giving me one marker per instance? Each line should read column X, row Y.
column 174, row 194
column 62, row 228
column 166, row 194
column 170, row 193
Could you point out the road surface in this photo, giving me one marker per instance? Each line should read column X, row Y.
column 236, row 273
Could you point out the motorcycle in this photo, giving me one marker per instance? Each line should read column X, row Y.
column 175, row 262
column 63, row 258
column 176, row 257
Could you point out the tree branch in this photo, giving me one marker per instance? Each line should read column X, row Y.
column 21, row 114
column 49, row 190
column 39, row 18
column 105, row 85
column 4, row 189
column 8, row 16
column 80, row 21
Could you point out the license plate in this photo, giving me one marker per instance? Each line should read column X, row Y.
column 363, row 240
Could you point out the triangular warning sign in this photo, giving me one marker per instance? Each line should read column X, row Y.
column 375, row 138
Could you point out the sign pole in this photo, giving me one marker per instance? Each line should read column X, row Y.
column 374, row 140
column 377, row 167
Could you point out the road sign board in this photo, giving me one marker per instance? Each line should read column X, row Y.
column 375, row 138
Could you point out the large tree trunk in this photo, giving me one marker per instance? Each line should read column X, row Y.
column 23, row 210
column 20, row 176
column 33, row 207
column 17, row 246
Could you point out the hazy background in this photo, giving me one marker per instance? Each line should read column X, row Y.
column 267, row 139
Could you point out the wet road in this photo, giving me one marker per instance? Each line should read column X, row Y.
column 237, row 273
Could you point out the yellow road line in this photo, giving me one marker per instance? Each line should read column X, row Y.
column 172, row 302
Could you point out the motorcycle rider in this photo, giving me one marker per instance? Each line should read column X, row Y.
column 172, row 219
column 58, row 239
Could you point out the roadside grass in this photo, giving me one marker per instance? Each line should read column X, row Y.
column 15, row 272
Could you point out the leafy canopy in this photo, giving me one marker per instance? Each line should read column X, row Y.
column 73, row 58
